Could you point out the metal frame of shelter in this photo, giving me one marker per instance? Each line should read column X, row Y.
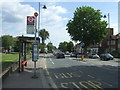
column 23, row 49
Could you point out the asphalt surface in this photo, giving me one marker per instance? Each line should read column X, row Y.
column 70, row 73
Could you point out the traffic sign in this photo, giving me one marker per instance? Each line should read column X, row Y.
column 35, row 14
column 82, row 44
column 30, row 20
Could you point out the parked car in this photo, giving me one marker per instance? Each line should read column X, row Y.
column 106, row 56
column 73, row 54
column 60, row 55
column 94, row 56
column 67, row 53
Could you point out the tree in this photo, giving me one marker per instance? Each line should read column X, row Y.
column 70, row 46
column 16, row 44
column 50, row 47
column 63, row 46
column 86, row 26
column 7, row 41
column 44, row 35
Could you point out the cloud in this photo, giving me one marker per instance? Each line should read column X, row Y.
column 53, row 21
column 15, row 12
column 14, row 20
column 115, row 27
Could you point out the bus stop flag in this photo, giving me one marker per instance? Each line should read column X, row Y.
column 30, row 24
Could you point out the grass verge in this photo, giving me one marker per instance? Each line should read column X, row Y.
column 8, row 59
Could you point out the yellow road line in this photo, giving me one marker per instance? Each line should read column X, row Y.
column 107, row 83
column 83, row 84
column 96, row 85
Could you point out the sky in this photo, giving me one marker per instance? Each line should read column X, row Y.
column 53, row 19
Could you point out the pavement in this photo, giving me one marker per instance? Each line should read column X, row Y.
column 25, row 79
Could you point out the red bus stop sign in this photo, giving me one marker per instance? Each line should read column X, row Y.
column 35, row 14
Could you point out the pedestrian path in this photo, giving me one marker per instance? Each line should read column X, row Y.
column 24, row 79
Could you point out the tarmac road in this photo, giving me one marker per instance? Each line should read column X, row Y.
column 70, row 73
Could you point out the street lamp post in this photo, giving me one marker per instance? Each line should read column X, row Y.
column 109, row 31
column 44, row 7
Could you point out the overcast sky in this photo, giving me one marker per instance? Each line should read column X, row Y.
column 53, row 19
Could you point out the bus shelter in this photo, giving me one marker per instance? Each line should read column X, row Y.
column 23, row 41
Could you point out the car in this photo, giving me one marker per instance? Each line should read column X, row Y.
column 60, row 55
column 106, row 56
column 67, row 53
column 94, row 56
column 73, row 54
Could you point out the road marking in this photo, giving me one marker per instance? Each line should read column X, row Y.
column 80, row 71
column 91, row 85
column 91, row 76
column 64, row 75
column 107, row 84
column 49, row 78
column 96, row 85
column 75, row 85
column 52, row 61
column 82, row 84
column 55, row 76
column 63, row 85
column 70, row 74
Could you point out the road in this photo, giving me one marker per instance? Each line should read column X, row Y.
column 70, row 73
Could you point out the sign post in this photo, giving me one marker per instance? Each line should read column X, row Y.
column 35, row 47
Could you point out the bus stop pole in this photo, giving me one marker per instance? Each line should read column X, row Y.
column 33, row 52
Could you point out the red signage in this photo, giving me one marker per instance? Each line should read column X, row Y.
column 35, row 14
column 30, row 19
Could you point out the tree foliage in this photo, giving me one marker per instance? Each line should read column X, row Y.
column 44, row 35
column 50, row 47
column 7, row 41
column 86, row 26
column 66, row 46
column 16, row 44
column 70, row 46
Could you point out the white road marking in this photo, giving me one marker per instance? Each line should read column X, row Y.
column 91, row 76
column 52, row 61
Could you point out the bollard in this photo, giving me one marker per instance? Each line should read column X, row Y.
column 82, row 57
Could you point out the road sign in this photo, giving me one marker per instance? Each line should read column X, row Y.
column 82, row 44
column 35, row 14
column 30, row 24
column 30, row 20
column 30, row 29
column 34, row 52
